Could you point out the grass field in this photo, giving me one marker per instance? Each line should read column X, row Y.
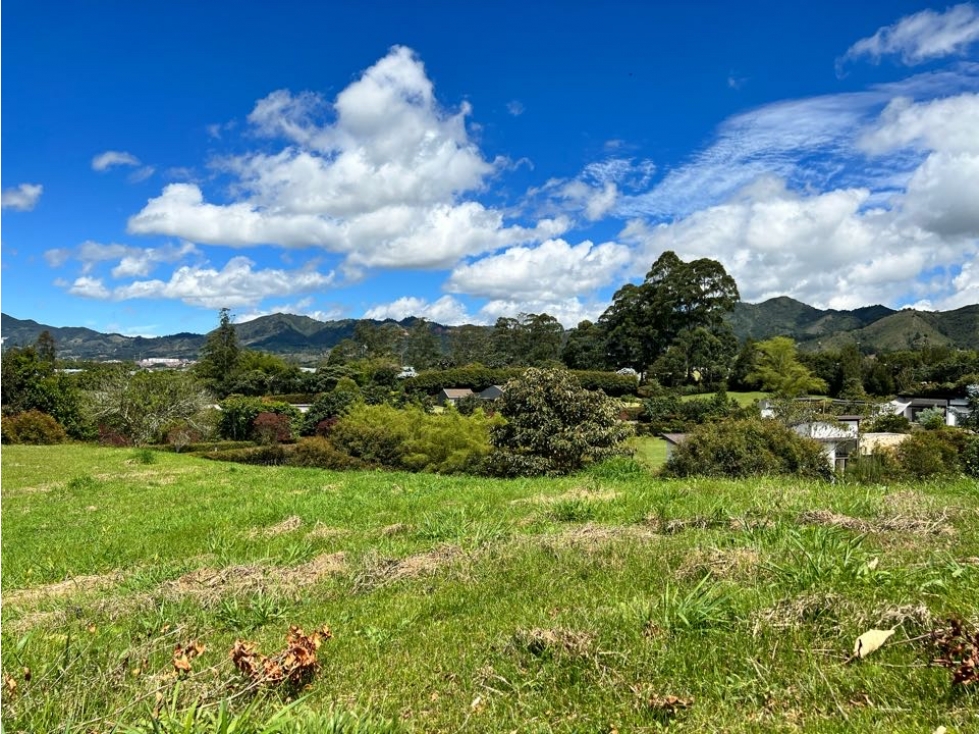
column 605, row 602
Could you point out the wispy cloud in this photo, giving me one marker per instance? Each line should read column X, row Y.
column 812, row 143
column 111, row 158
column 921, row 37
column 515, row 107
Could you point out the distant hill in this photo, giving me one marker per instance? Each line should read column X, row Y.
column 873, row 328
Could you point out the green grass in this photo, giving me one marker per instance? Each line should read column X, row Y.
column 566, row 605
column 743, row 398
column 649, row 450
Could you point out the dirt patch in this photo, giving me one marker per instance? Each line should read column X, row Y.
column 720, row 563
column 917, row 525
column 69, row 587
column 288, row 525
column 378, row 571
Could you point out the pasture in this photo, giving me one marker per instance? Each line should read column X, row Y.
column 610, row 601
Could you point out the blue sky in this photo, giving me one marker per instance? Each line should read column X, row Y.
column 465, row 161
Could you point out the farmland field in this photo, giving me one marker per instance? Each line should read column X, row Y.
column 608, row 601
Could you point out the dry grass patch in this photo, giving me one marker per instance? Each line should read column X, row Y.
column 327, row 564
column 818, row 609
column 553, row 641
column 720, row 563
column 68, row 587
column 377, row 571
column 208, row 584
column 398, row 528
column 592, row 536
column 288, row 525
column 915, row 525
column 321, row 530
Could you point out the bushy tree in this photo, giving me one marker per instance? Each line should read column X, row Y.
column 746, row 448
column 928, row 454
column 780, row 372
column 217, row 364
column 888, row 423
column 585, row 347
column 141, row 407
column 676, row 296
column 553, row 426
column 328, row 406
column 32, row 383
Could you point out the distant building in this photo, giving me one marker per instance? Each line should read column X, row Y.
column 493, row 392
column 452, row 395
column 166, row 363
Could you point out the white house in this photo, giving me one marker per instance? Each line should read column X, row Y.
column 839, row 440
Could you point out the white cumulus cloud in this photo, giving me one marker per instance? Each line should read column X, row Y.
column 380, row 176
column 21, row 198
column 237, row 284
column 552, row 271
column 446, row 310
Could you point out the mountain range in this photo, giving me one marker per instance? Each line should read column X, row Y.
column 873, row 328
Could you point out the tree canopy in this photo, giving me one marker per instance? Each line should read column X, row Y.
column 676, row 297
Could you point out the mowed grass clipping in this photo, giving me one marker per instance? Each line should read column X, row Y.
column 608, row 601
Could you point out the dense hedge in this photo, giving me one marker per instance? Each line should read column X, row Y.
column 474, row 376
column 477, row 378
column 411, row 439
column 746, row 448
column 238, row 414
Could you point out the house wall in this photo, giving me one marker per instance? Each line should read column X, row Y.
column 870, row 442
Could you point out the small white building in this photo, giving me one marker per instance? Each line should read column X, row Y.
column 840, row 440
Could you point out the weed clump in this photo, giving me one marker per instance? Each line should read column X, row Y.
column 294, row 667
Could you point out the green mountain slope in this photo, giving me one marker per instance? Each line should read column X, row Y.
column 874, row 328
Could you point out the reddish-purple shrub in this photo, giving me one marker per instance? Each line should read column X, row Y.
column 272, row 428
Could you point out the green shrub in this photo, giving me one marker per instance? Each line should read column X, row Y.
column 274, row 455
column 888, row 424
column 32, row 427
column 375, row 434
column 932, row 419
column 328, row 406
column 321, row 453
column 929, row 454
column 448, row 443
column 970, row 458
column 876, row 468
column 745, row 448
column 553, row 426
column 238, row 414
column 412, row 439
